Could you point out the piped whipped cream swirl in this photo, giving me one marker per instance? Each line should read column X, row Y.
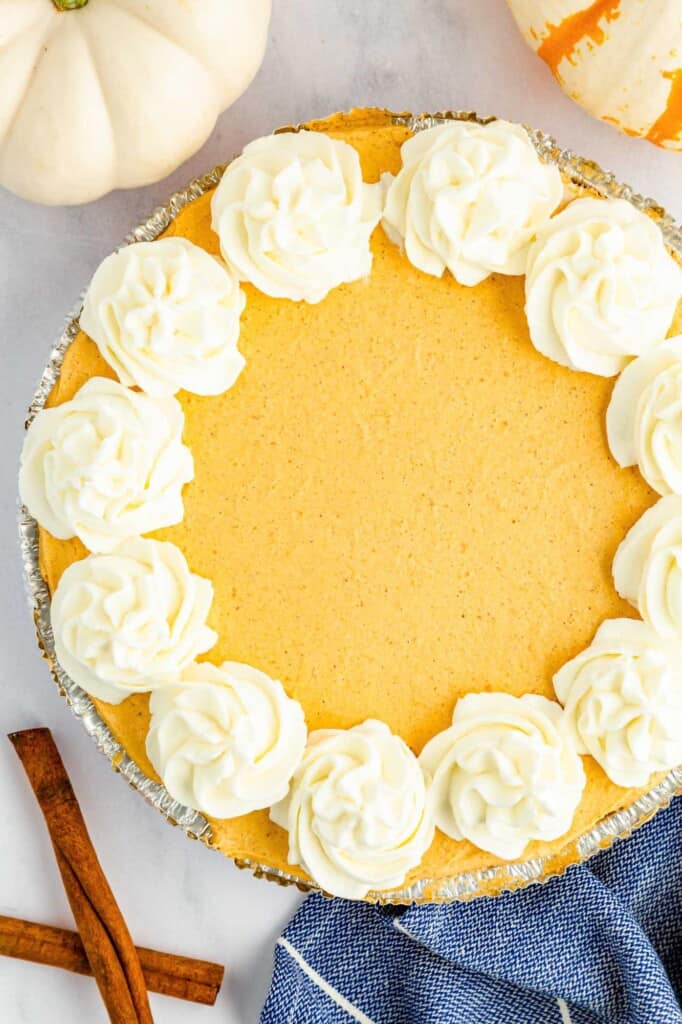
column 225, row 740
column 469, row 198
column 106, row 466
column 294, row 216
column 165, row 316
column 644, row 417
column 623, row 701
column 130, row 620
column 601, row 286
column 358, row 811
column 647, row 569
column 505, row 772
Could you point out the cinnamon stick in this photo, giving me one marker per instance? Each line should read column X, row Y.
column 106, row 940
column 197, row 981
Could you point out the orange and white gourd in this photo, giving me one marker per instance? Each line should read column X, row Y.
column 620, row 59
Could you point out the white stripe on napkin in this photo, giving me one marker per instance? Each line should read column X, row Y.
column 340, row 1000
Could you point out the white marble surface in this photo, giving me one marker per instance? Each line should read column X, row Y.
column 322, row 56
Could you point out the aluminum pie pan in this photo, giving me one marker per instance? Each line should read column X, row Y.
column 466, row 885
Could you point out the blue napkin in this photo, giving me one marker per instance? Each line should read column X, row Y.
column 601, row 944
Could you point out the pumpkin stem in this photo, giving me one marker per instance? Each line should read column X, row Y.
column 69, row 5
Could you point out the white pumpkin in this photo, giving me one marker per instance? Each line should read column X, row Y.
column 105, row 94
column 620, row 59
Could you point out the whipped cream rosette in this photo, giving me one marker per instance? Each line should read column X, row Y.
column 623, row 701
column 225, row 740
column 505, row 772
column 126, row 621
column 647, row 569
column 106, row 466
column 601, row 286
column 294, row 216
column 165, row 316
column 644, row 417
column 358, row 811
column 469, row 198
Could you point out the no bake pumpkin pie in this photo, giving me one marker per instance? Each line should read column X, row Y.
column 399, row 502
